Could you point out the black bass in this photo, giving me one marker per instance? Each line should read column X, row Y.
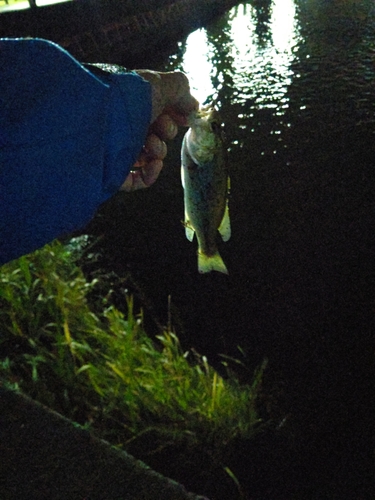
column 205, row 179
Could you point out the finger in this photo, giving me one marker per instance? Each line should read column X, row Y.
column 165, row 127
column 182, row 110
column 133, row 181
column 155, row 148
column 175, row 86
column 151, row 172
column 179, row 101
column 142, row 178
column 170, row 93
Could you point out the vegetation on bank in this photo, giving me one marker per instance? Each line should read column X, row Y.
column 98, row 367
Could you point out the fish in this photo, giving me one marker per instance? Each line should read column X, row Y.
column 206, row 185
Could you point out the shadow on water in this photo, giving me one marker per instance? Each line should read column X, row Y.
column 295, row 83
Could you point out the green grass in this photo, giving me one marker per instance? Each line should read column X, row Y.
column 102, row 370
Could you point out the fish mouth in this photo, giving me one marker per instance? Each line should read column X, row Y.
column 203, row 113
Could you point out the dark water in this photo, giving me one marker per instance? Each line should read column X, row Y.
column 296, row 88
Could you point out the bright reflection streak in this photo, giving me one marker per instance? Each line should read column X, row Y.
column 22, row 5
column 197, row 65
column 260, row 65
column 283, row 25
column 263, row 66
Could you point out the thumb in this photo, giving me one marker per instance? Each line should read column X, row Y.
column 170, row 94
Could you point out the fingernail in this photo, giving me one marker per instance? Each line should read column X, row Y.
column 172, row 128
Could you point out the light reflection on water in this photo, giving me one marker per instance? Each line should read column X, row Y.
column 258, row 56
column 198, row 66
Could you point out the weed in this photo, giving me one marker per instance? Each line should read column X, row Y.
column 103, row 371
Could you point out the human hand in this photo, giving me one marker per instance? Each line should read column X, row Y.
column 172, row 104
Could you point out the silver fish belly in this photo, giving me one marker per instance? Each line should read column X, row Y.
column 205, row 179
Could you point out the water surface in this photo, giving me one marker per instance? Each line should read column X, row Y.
column 295, row 83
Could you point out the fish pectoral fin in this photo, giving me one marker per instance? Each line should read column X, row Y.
column 189, row 231
column 224, row 228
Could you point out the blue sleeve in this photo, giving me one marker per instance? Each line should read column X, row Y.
column 68, row 139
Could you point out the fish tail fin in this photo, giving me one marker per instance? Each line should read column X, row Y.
column 207, row 263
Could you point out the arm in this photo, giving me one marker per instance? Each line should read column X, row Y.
column 68, row 140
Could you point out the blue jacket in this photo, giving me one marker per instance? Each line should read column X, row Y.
column 68, row 139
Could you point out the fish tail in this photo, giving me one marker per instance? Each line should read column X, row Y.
column 207, row 263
